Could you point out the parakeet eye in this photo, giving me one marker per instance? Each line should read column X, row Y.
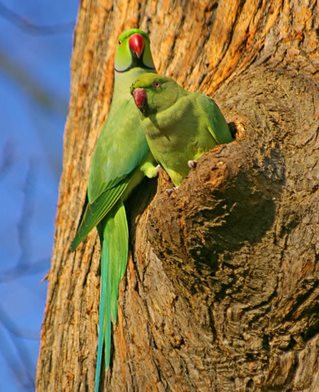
column 120, row 42
column 156, row 84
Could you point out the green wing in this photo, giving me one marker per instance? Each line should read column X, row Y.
column 120, row 150
column 217, row 124
column 96, row 211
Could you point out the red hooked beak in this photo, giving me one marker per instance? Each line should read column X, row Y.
column 136, row 43
column 139, row 96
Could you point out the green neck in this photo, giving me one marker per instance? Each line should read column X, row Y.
column 123, row 81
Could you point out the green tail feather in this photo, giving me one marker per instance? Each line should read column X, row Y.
column 113, row 266
column 95, row 212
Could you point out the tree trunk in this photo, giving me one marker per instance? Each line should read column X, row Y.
column 221, row 291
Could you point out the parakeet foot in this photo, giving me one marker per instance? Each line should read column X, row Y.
column 169, row 191
column 192, row 164
column 157, row 169
column 150, row 170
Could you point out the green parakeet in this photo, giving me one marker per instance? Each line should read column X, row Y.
column 120, row 161
column 179, row 125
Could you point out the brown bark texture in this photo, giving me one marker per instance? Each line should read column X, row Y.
column 221, row 291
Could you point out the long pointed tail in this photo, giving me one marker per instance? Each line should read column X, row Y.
column 113, row 266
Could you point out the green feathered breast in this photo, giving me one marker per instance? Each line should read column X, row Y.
column 179, row 125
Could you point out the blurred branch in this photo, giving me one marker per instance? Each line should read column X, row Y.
column 25, row 25
column 20, row 271
column 24, row 267
column 7, row 158
column 26, row 215
column 20, row 360
column 42, row 96
column 50, row 141
column 12, row 328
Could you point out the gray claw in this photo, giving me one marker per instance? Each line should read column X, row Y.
column 169, row 191
column 192, row 164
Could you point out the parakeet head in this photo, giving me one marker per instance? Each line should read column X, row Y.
column 133, row 50
column 153, row 93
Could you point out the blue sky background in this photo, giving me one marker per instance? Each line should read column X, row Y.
column 34, row 92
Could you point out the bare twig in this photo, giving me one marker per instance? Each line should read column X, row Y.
column 23, row 270
column 26, row 215
column 45, row 98
column 6, row 158
column 31, row 28
column 19, row 362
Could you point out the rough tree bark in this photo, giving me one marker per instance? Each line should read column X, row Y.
column 221, row 292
